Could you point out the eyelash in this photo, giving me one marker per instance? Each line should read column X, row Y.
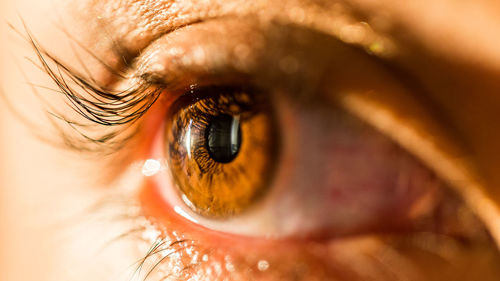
column 118, row 109
column 103, row 106
column 158, row 249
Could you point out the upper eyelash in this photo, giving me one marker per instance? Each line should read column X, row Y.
column 100, row 105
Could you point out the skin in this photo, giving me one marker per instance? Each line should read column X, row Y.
column 447, row 48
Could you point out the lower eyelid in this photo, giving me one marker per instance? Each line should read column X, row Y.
column 213, row 256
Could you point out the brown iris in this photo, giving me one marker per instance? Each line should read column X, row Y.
column 221, row 149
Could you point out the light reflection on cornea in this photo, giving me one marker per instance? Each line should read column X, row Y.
column 187, row 139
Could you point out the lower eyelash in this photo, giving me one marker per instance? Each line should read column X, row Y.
column 172, row 252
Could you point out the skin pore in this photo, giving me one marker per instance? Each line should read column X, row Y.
column 442, row 107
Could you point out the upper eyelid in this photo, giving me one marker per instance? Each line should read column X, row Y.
column 139, row 76
column 102, row 104
column 169, row 60
column 265, row 62
column 180, row 66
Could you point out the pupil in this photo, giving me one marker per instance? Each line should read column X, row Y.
column 223, row 138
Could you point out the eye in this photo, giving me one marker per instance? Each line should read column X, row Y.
column 221, row 150
column 244, row 162
column 263, row 147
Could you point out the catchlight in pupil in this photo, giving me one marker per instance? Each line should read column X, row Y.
column 223, row 138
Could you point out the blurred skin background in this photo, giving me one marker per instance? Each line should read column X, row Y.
column 444, row 111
